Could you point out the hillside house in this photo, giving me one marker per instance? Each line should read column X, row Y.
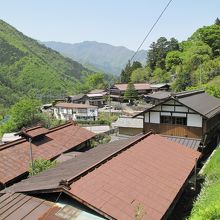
column 192, row 114
column 80, row 99
column 117, row 91
column 74, row 111
column 97, row 97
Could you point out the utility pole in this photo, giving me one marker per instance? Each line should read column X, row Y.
column 31, row 157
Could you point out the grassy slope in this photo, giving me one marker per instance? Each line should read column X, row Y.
column 27, row 67
column 207, row 205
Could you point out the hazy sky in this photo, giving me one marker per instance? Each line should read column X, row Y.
column 117, row 22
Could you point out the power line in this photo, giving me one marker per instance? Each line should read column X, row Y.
column 155, row 23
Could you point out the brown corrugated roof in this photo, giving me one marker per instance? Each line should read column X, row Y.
column 150, row 173
column 67, row 170
column 15, row 155
column 19, row 206
column 73, row 105
column 33, row 132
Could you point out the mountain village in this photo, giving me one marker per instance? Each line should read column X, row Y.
column 92, row 131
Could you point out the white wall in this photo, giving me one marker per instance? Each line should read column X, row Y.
column 155, row 117
column 167, row 108
column 194, row 120
column 146, row 117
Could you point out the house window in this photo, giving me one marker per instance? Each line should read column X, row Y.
column 165, row 119
column 82, row 110
column 179, row 120
column 172, row 120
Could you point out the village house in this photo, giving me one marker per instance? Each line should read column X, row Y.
column 129, row 126
column 45, row 143
column 97, row 97
column 115, row 178
column 192, row 114
column 74, row 111
column 80, row 99
column 157, row 97
column 117, row 91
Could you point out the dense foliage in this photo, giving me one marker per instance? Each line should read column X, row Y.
column 207, row 205
column 26, row 113
column 40, row 165
column 194, row 63
column 28, row 68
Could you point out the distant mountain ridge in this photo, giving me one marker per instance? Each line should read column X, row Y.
column 108, row 58
column 30, row 68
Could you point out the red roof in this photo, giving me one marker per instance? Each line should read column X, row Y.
column 15, row 155
column 150, row 173
column 138, row 86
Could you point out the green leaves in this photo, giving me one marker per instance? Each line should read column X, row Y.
column 40, row 165
column 130, row 93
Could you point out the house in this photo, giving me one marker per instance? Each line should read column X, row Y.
column 97, row 97
column 115, row 178
column 45, row 143
column 80, row 99
column 117, row 91
column 129, row 126
column 74, row 111
column 160, row 87
column 192, row 114
column 157, row 97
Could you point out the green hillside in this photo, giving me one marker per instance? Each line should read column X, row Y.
column 105, row 57
column 190, row 64
column 29, row 68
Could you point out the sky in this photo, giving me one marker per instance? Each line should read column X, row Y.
column 116, row 22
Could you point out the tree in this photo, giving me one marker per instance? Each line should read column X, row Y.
column 158, row 51
column 127, row 71
column 141, row 75
column 25, row 113
column 217, row 21
column 40, row 165
column 130, row 93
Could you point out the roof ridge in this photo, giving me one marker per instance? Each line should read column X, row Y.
column 69, row 123
column 109, row 157
column 12, row 143
column 31, row 128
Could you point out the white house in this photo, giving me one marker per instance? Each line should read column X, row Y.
column 75, row 111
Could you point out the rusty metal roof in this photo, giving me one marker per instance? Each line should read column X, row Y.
column 15, row 155
column 192, row 143
column 19, row 206
column 150, row 173
column 50, row 179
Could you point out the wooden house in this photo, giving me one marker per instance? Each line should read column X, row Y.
column 192, row 114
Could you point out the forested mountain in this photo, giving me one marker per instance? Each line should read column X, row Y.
column 108, row 58
column 191, row 64
column 29, row 68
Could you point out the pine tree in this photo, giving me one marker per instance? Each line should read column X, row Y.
column 130, row 94
column 217, row 21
